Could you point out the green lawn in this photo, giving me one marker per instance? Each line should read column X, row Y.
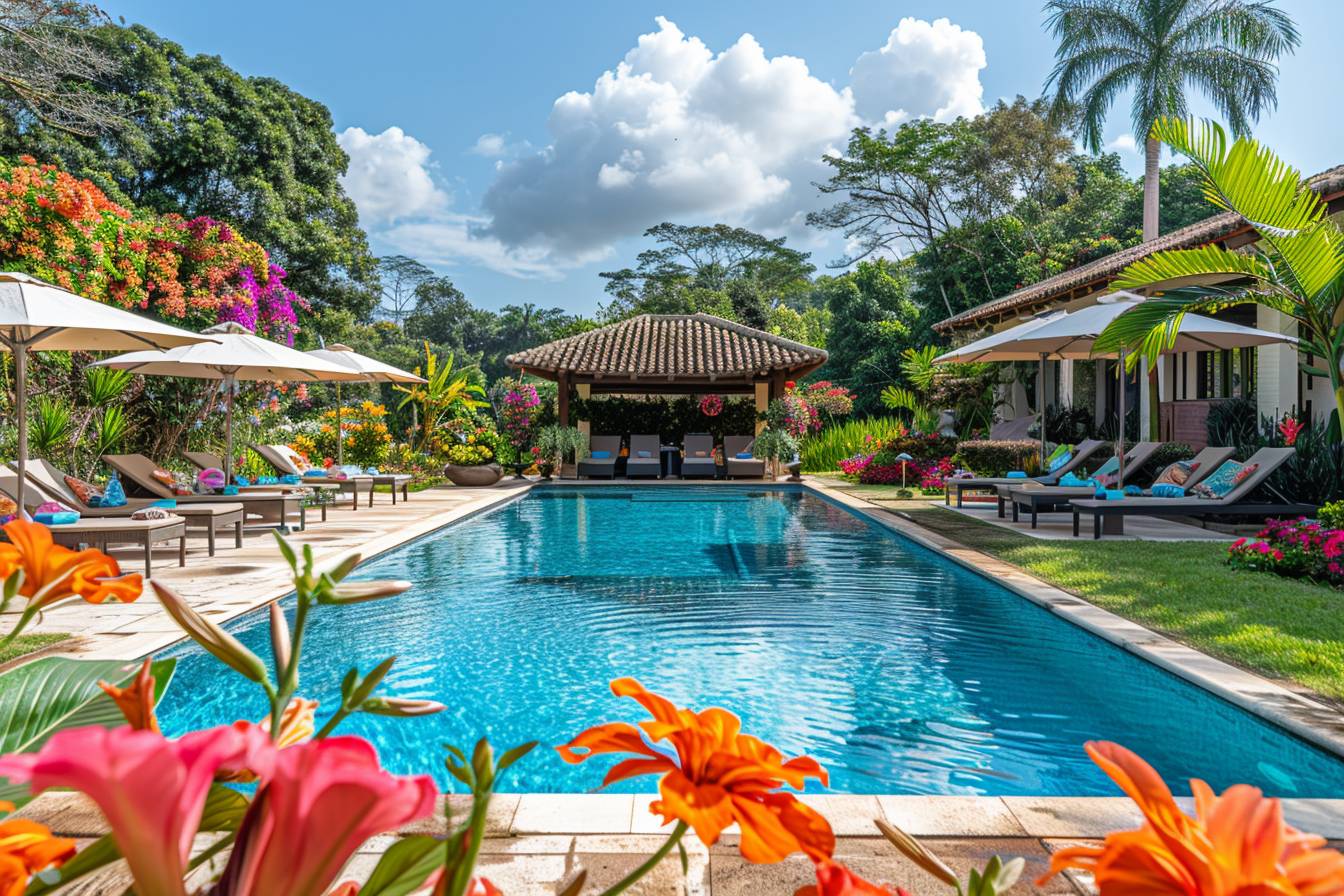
column 27, row 644
column 1281, row 628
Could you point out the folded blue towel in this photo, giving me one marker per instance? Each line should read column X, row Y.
column 1133, row 490
column 1015, row 474
column 242, row 480
column 315, row 474
column 371, row 471
column 1168, row 490
column 601, row 455
column 291, row 479
column 267, row 480
column 63, row 518
column 166, row 503
column 1071, row 481
column 230, row 489
column 1115, row 494
column 743, row 455
column 643, row 454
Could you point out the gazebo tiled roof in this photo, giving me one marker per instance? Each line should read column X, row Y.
column 670, row 348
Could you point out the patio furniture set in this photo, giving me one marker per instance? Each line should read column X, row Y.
column 646, row 457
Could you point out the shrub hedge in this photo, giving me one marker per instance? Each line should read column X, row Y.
column 670, row 418
column 995, row 457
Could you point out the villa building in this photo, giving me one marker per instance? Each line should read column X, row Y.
column 1189, row 383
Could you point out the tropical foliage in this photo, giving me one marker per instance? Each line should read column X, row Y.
column 446, row 392
column 1296, row 268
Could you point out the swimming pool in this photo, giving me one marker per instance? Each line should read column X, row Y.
column 900, row 671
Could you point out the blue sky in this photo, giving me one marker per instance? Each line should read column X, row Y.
column 462, row 156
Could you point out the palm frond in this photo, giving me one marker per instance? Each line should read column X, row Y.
column 1174, row 268
column 1150, row 328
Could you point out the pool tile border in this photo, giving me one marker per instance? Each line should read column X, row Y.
column 1306, row 718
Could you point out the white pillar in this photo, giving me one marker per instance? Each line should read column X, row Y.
column 1276, row 366
column 1145, row 401
column 1066, row 383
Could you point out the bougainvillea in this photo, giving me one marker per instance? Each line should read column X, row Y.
column 1298, row 548
column 196, row 271
column 826, row 397
column 518, row 418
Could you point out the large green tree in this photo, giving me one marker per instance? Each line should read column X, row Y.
column 873, row 320
column 1156, row 51
column 200, row 139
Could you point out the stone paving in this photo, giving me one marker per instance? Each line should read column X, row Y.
column 536, row 842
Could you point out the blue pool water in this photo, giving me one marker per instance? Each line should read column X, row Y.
column 897, row 669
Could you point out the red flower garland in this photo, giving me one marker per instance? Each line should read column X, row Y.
column 711, row 405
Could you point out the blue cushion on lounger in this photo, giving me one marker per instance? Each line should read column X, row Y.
column 1115, row 494
column 63, row 518
column 166, row 503
column 601, row 455
column 1167, row 490
column 1015, row 474
column 643, row 454
column 743, row 455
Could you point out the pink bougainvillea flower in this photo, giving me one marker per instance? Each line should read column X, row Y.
column 321, row 800
column 151, row 789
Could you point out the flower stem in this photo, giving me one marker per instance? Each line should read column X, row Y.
column 649, row 864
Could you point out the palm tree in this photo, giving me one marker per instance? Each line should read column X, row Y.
column 1296, row 267
column 1156, row 49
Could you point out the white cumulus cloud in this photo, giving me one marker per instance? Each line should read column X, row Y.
column 925, row 68
column 389, row 177
column 675, row 131
column 1123, row 143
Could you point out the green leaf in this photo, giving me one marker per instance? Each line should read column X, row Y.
column 287, row 551
column 405, row 866
column 513, row 755
column 224, row 809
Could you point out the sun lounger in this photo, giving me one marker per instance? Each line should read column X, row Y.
column 394, row 481
column 47, row 483
column 271, row 507
column 102, row 532
column 735, row 466
column 645, row 457
column 605, row 467
column 1237, row 502
column 698, row 448
column 1044, row 497
column 1081, row 453
column 1038, row 499
column 287, row 462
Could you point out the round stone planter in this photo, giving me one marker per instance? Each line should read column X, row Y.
column 484, row 474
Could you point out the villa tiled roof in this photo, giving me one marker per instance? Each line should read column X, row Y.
column 1098, row 272
column 679, row 346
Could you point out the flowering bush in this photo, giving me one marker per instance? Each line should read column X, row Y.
column 792, row 414
column 519, row 418
column 367, row 437
column 67, row 231
column 467, row 442
column 826, row 397
column 1298, row 548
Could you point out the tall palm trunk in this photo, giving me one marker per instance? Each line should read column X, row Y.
column 1152, row 151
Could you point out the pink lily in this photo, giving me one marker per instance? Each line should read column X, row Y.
column 321, row 801
column 152, row 790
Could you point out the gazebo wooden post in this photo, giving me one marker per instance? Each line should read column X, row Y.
column 562, row 397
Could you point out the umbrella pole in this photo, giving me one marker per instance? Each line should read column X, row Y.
column 1040, row 406
column 340, row 436
column 1120, row 450
column 228, row 429
column 21, row 409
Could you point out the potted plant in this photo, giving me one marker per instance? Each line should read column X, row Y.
column 518, row 420
column 473, row 452
column 562, row 446
column 776, row 446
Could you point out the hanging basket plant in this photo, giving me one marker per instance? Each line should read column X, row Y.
column 711, row 405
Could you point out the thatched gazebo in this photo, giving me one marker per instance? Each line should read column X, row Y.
column 670, row 354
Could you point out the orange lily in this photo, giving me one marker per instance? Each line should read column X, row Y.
column 26, row 848
column 834, row 879
column 717, row 776
column 136, row 700
column 52, row 572
column 1237, row 843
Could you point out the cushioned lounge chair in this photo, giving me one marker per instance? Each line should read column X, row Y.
column 1135, row 459
column 698, row 448
column 736, row 466
column 285, row 461
column 1036, row 499
column 605, row 467
column 645, row 457
column 270, row 507
column 47, row 483
column 1081, row 454
column 1237, row 502
column 101, row 532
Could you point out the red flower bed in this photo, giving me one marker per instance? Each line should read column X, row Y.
column 1298, row 548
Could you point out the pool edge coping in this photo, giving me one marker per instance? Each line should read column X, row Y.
column 1315, row 722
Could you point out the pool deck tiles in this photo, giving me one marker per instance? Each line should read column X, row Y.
column 536, row 842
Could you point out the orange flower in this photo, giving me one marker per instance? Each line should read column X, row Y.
column 1237, row 843
column 26, row 848
column 136, row 700
column 834, row 879
column 52, row 572
column 717, row 776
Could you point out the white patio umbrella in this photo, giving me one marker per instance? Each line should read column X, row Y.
column 371, row 370
column 236, row 355
column 1073, row 335
column 38, row 316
